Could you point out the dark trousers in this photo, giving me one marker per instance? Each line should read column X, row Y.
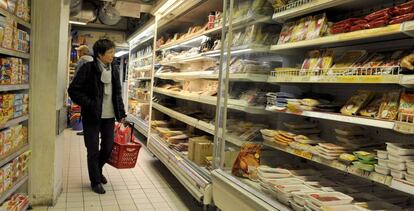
column 98, row 157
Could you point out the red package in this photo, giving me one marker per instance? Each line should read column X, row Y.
column 410, row 3
column 377, row 23
column 357, row 27
column 402, row 18
column 123, row 135
column 360, row 22
column 378, row 14
column 347, row 21
column 338, row 30
column 397, row 11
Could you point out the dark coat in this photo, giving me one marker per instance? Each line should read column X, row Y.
column 87, row 91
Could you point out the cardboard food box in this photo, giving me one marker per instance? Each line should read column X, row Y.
column 201, row 151
column 191, row 145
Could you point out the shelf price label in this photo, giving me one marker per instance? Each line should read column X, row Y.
column 303, row 154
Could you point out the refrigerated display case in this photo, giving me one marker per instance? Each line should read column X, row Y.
column 139, row 77
column 332, row 127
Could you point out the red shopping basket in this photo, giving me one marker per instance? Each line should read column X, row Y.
column 124, row 155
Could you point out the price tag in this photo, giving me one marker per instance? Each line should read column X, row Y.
column 374, row 176
column 404, row 127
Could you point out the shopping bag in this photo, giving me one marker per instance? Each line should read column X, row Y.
column 126, row 149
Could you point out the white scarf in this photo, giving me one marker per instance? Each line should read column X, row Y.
column 106, row 76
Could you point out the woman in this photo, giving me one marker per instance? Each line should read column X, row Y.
column 97, row 89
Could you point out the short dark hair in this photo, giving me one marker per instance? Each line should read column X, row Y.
column 101, row 46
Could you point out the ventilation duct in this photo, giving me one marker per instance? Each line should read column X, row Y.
column 109, row 15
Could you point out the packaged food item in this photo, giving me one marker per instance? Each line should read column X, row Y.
column 247, row 161
column 410, row 167
column 347, row 158
column 400, row 158
column 402, row 18
column 409, row 178
column 382, row 154
column 398, row 174
column 356, row 102
column 389, row 106
column 362, row 166
column 348, row 59
column 286, row 33
column 363, row 155
column 312, row 62
column 400, row 148
column 299, row 31
column 373, row 107
column 327, row 60
column 383, row 162
column 395, row 165
column 329, row 198
column 11, row 6
column 376, row 205
column 382, row 169
column 406, row 109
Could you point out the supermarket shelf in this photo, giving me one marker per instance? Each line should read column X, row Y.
column 351, row 38
column 204, row 126
column 141, row 78
column 241, row 50
column 197, row 184
column 373, row 176
column 14, row 53
column 139, row 124
column 143, row 68
column 17, row 19
column 230, row 193
column 379, row 123
column 210, row 100
column 5, row 159
column 405, row 80
column 141, row 58
column 189, row 41
column 211, row 75
column 196, row 58
column 307, row 8
column 14, row 122
column 5, row 88
column 10, row 192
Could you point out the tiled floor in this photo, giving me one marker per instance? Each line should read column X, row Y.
column 149, row 186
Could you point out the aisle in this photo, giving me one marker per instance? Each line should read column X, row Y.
column 149, row 186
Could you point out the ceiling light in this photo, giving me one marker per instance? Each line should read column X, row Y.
column 77, row 23
column 121, row 53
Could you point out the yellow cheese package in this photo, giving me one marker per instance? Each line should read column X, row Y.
column 327, row 60
column 373, row 107
column 348, row 59
column 357, row 102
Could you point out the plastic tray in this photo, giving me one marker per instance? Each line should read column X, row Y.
column 400, row 148
column 312, row 207
column 285, row 181
column 400, row 158
column 410, row 167
column 383, row 162
column 409, row 178
column 330, row 198
column 300, row 197
column 382, row 154
column 285, row 191
column 398, row 174
column 296, row 207
column 382, row 169
column 396, row 165
column 346, row 207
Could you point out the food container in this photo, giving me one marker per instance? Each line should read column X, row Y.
column 300, row 197
column 382, row 154
column 346, row 207
column 312, row 207
column 400, row 158
column 284, row 192
column 396, row 165
column 296, row 207
column 398, row 174
column 285, row 181
column 400, row 148
column 329, row 198
column 382, row 170
column 365, row 167
column 410, row 167
column 409, row 178
column 383, row 162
